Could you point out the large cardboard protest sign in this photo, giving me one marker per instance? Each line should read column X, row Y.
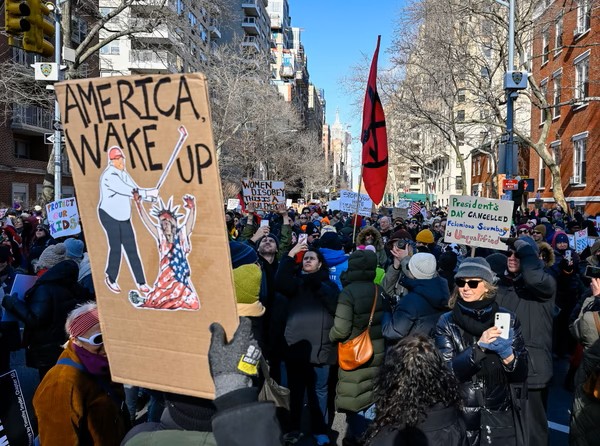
column 146, row 175
column 476, row 221
column 264, row 195
column 348, row 201
column 63, row 217
column 15, row 425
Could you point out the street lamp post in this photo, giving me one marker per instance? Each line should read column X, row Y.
column 513, row 82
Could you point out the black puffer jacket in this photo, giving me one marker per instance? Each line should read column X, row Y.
column 530, row 295
column 44, row 312
column 466, row 360
column 312, row 300
column 419, row 310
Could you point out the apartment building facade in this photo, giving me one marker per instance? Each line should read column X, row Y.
column 567, row 69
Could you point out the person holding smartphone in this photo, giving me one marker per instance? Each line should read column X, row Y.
column 564, row 270
column 484, row 362
column 311, row 304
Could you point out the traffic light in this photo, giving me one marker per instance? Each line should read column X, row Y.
column 33, row 39
column 16, row 13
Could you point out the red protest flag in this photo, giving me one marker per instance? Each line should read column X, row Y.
column 374, row 138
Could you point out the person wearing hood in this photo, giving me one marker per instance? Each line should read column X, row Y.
column 371, row 236
column 564, row 270
column 41, row 240
column 332, row 249
column 355, row 389
column 44, row 312
column 528, row 289
column 76, row 402
column 426, row 300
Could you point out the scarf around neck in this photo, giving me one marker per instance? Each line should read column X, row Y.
column 475, row 317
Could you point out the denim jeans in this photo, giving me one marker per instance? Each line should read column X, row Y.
column 310, row 380
column 358, row 422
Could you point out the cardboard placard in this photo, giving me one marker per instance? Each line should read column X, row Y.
column 15, row 425
column 63, row 217
column 403, row 204
column 145, row 170
column 476, row 221
column 232, row 203
column 400, row 213
column 264, row 195
column 21, row 284
column 288, row 203
column 348, row 203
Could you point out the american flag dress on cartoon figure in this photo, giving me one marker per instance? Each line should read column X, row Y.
column 173, row 288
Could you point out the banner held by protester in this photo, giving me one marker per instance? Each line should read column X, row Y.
column 63, row 217
column 264, row 195
column 141, row 151
column 476, row 221
column 15, row 425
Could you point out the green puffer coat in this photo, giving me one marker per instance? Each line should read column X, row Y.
column 354, row 390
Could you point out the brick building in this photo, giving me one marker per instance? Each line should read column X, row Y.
column 565, row 64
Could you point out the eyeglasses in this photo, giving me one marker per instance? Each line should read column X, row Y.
column 535, row 232
column 523, row 231
column 462, row 282
column 95, row 339
column 511, row 253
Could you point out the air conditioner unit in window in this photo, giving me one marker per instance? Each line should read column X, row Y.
column 574, row 180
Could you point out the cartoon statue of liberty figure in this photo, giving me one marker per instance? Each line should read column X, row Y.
column 173, row 289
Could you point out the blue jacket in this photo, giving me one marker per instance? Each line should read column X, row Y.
column 337, row 261
column 419, row 310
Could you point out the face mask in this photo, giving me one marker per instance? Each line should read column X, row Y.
column 93, row 363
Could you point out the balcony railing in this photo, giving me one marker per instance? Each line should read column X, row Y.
column 31, row 118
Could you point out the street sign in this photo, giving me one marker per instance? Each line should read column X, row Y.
column 49, row 138
column 510, row 184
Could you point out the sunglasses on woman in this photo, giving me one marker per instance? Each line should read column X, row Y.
column 95, row 339
column 462, row 282
column 524, row 231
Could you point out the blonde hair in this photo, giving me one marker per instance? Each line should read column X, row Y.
column 490, row 290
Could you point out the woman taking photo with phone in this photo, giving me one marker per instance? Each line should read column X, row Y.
column 312, row 301
column 485, row 359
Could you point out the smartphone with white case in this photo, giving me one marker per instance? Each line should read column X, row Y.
column 302, row 238
column 502, row 321
column 264, row 222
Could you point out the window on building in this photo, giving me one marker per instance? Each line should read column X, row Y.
column 556, row 81
column 584, row 15
column 545, row 44
column 105, row 11
column 22, row 149
column 67, row 192
column 459, row 183
column 489, row 162
column 485, row 72
column 461, row 95
column 460, row 116
column 541, row 174
column 111, row 48
column 20, row 193
column 478, row 166
column 460, row 138
column 582, row 68
column 79, row 29
column 39, row 192
column 544, row 89
column 579, row 162
column 558, row 34
column 414, row 181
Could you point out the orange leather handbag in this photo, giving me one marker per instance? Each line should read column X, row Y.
column 357, row 351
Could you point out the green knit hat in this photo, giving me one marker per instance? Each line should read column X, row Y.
column 246, row 279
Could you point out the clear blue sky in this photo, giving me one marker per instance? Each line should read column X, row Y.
column 336, row 34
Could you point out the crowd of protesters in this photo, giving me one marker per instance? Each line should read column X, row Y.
column 307, row 279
